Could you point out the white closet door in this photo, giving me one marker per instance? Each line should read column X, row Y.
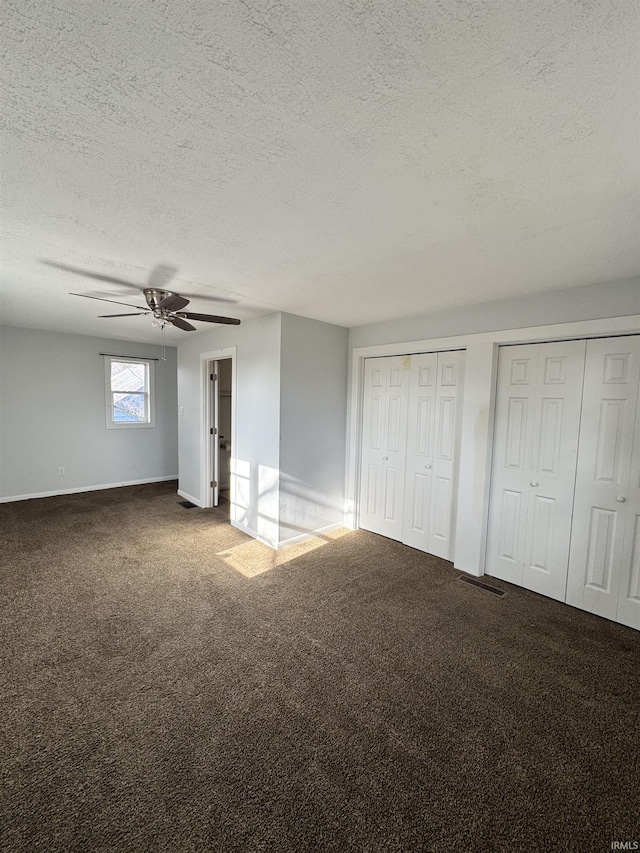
column 534, row 464
column 384, row 438
column 511, row 468
column 423, row 381
column 553, row 467
column 435, row 397
column 446, row 454
column 629, row 593
column 604, row 541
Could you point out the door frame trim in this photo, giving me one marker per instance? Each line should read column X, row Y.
column 477, row 415
column 205, row 423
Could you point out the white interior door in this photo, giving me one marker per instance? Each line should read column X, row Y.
column 534, row 464
column 386, row 384
column 215, row 431
column 224, row 424
column 605, row 544
column 435, row 389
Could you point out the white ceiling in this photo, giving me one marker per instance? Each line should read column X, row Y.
column 348, row 161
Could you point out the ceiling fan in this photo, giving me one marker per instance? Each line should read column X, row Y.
column 165, row 305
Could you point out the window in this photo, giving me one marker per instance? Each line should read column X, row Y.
column 129, row 387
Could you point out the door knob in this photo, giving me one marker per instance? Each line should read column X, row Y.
column 621, row 499
column 427, row 466
column 384, row 458
column 534, row 484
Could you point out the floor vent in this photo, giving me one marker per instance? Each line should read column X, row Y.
column 474, row 582
column 186, row 504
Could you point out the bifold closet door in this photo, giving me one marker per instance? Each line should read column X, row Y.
column 534, row 464
column 435, row 391
column 604, row 566
column 629, row 592
column 384, row 438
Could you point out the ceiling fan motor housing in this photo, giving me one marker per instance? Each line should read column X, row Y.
column 154, row 297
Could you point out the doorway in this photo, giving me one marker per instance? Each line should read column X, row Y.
column 218, row 430
column 224, row 430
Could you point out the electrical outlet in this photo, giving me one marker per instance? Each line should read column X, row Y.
column 60, row 472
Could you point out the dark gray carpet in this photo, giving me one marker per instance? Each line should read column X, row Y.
column 359, row 697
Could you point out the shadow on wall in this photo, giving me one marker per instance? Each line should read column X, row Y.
column 269, row 502
column 260, row 513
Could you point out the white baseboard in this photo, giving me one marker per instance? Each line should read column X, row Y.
column 311, row 534
column 476, row 571
column 189, row 498
column 253, row 533
column 87, row 489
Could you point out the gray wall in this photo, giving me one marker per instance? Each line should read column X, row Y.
column 291, row 394
column 614, row 299
column 313, row 408
column 52, row 414
column 256, row 453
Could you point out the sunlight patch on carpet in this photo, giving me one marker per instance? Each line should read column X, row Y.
column 253, row 558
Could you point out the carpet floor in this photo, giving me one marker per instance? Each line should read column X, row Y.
column 164, row 690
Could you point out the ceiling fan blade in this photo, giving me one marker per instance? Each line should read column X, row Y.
column 101, row 299
column 174, row 302
column 137, row 314
column 181, row 324
column 210, row 318
column 161, row 276
column 90, row 274
column 159, row 279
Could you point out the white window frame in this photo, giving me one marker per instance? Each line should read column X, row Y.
column 150, row 393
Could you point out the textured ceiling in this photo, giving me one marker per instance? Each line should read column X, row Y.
column 348, row 161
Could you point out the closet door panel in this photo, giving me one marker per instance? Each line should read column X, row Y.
column 449, row 392
column 603, row 542
column 553, row 467
column 423, row 382
column 513, row 437
column 629, row 592
column 435, row 396
column 534, row 461
column 372, row 438
column 383, row 445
